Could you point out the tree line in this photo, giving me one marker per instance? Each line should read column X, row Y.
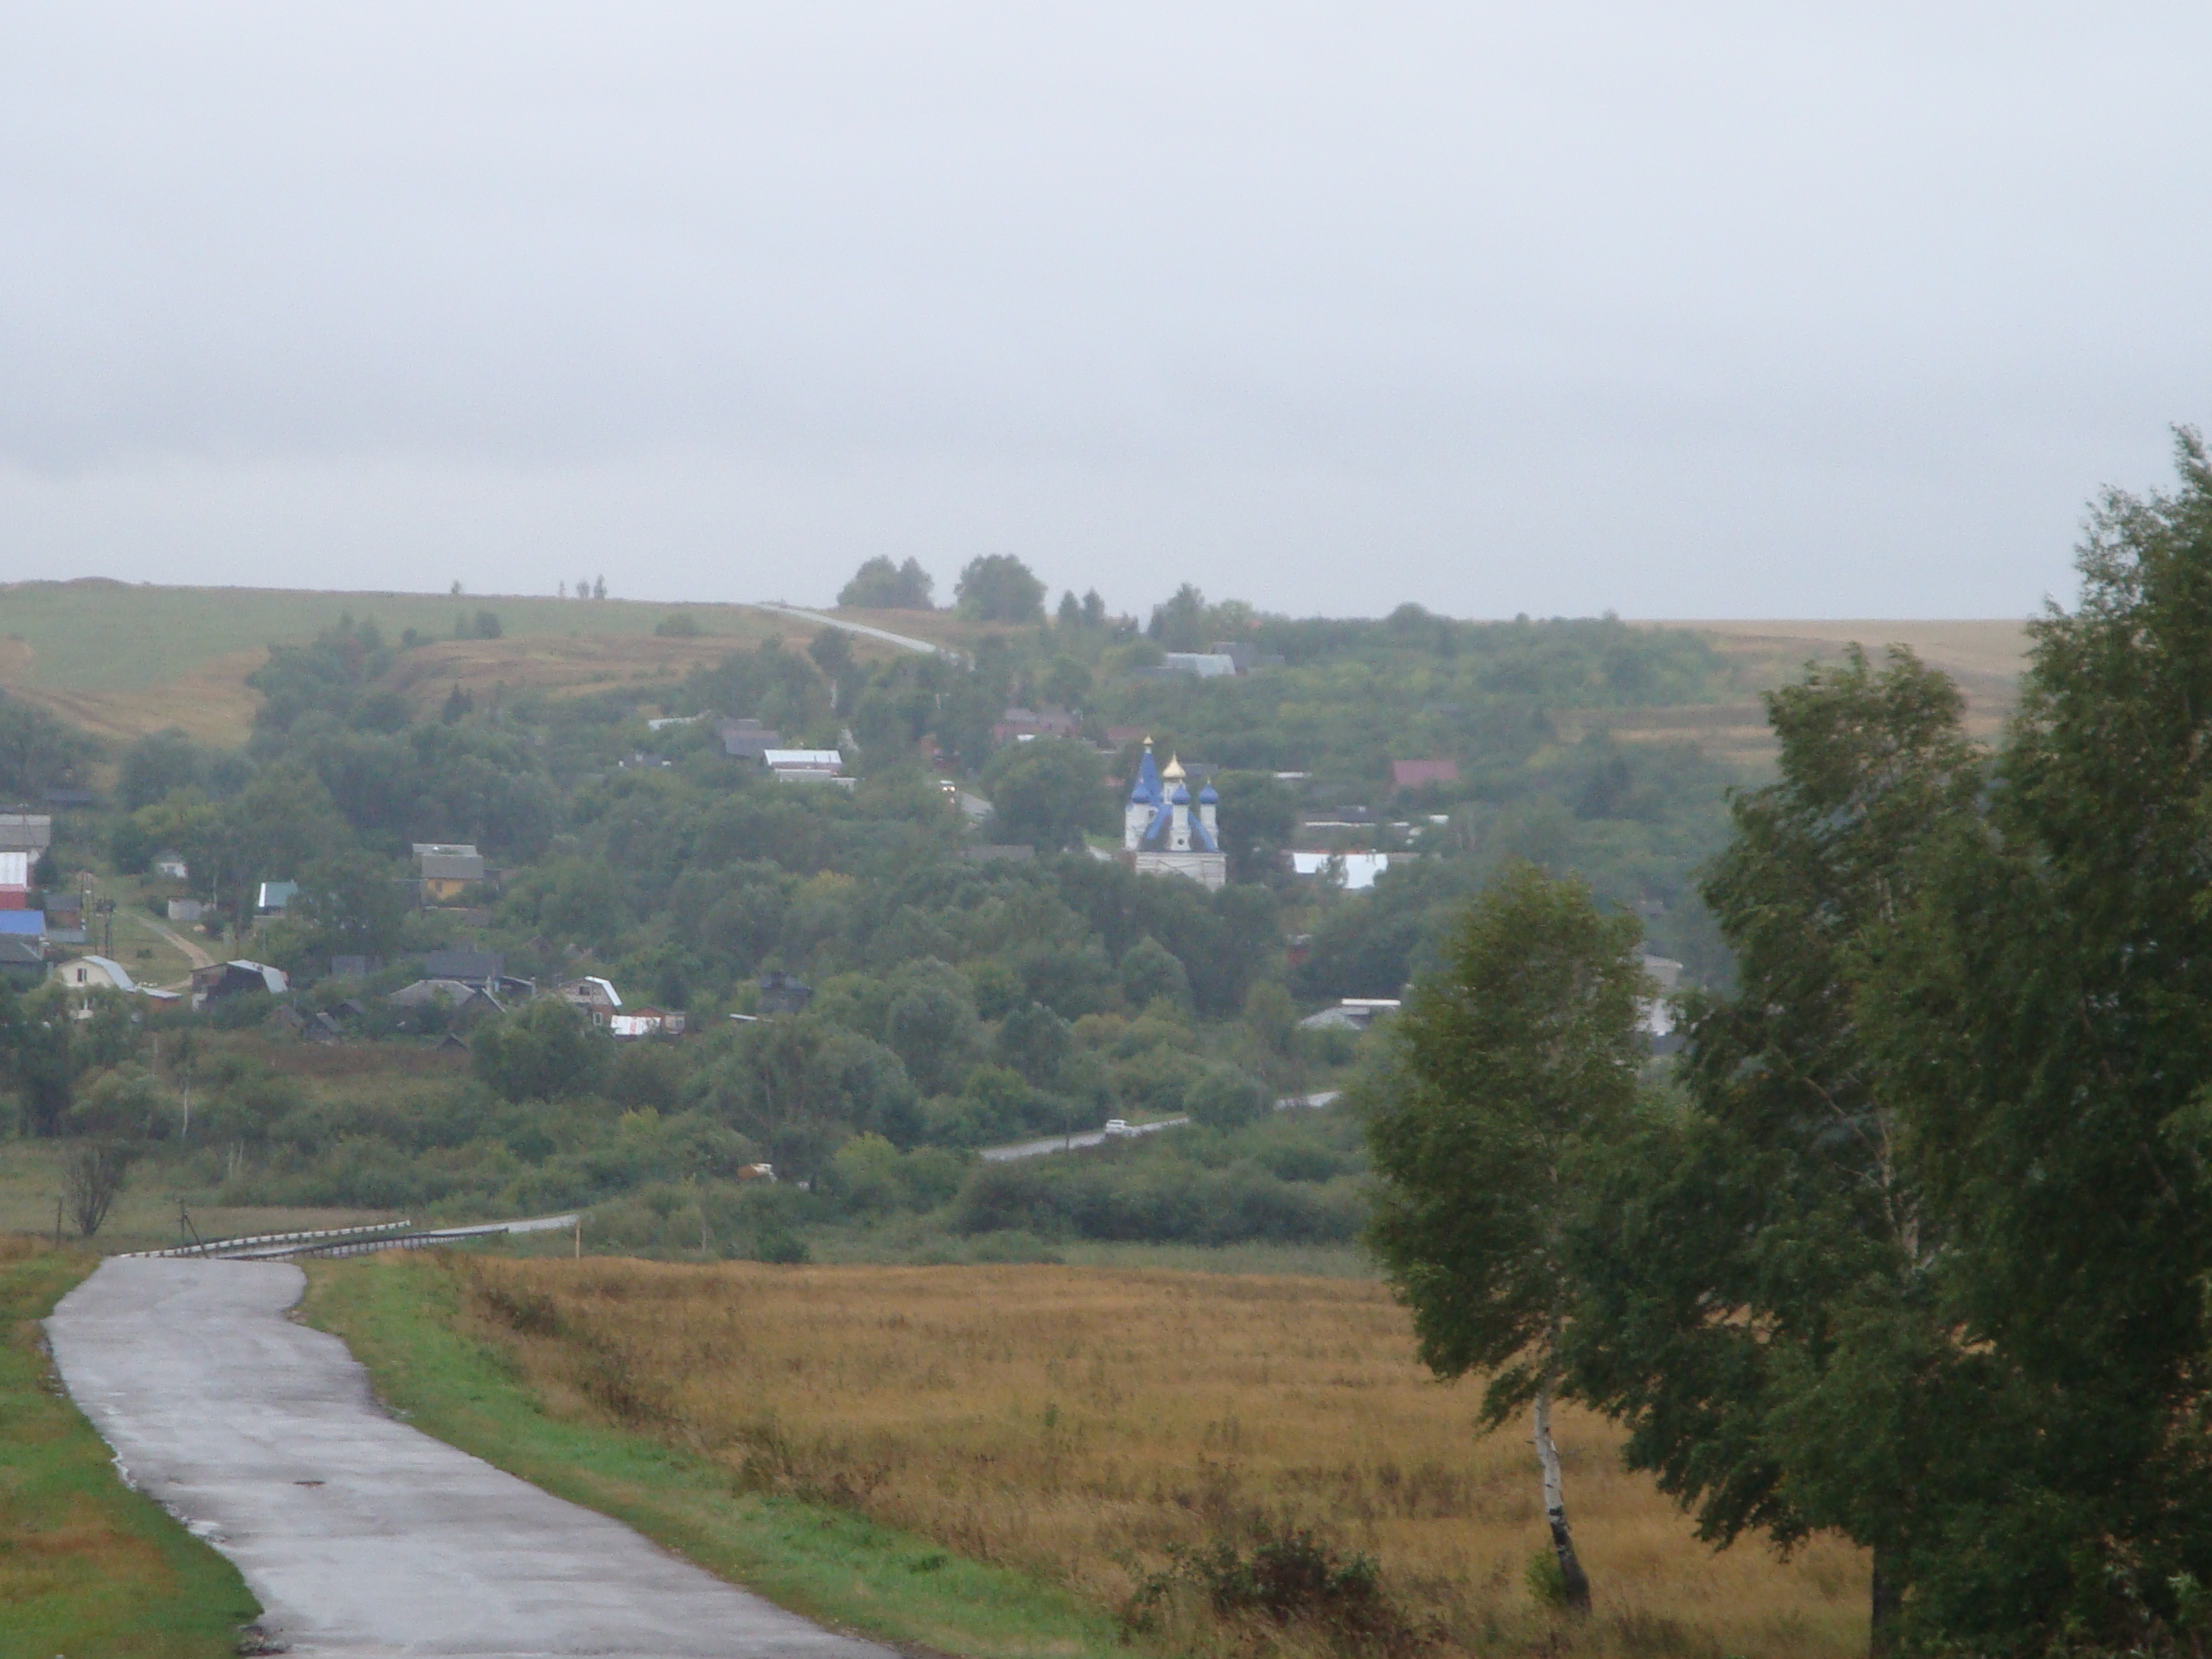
column 1913, row 1244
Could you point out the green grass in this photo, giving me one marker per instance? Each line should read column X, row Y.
column 88, row 1567
column 400, row 1318
column 114, row 636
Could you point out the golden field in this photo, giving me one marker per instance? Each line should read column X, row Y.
column 1084, row 1424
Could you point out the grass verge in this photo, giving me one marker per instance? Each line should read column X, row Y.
column 399, row 1314
column 87, row 1566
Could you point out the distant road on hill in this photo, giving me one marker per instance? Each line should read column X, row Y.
column 904, row 641
column 1099, row 1138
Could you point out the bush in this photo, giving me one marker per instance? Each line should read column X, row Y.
column 1222, row 1097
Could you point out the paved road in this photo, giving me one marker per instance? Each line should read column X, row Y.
column 906, row 641
column 1096, row 1138
column 361, row 1536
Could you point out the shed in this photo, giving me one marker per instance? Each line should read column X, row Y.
column 238, row 977
column 22, row 960
column 779, row 994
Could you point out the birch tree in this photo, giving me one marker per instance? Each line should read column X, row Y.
column 1758, row 1303
column 1514, row 1064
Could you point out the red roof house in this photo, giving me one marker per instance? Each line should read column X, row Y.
column 1413, row 775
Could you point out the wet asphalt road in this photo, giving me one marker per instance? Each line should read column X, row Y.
column 360, row 1535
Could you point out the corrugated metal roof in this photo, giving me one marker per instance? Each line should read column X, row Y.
column 14, row 869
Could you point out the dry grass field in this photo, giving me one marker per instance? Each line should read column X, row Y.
column 1086, row 1423
column 1985, row 657
column 122, row 659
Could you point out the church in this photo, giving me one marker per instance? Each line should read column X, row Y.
column 1161, row 835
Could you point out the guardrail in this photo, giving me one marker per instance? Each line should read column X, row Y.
column 351, row 1241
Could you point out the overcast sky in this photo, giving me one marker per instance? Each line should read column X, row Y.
column 1670, row 310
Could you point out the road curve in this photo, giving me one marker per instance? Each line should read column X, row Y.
column 360, row 1535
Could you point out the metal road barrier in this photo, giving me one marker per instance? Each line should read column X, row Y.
column 352, row 1241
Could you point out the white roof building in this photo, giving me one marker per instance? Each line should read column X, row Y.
column 14, row 869
column 94, row 973
column 1360, row 869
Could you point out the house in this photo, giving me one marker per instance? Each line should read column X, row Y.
column 748, row 739
column 26, row 832
column 465, row 1001
column 95, row 974
column 271, row 897
column 448, row 870
column 486, row 970
column 356, row 967
column 595, row 998
column 1162, row 835
column 1349, row 1014
column 1419, row 773
column 237, row 978
column 805, row 766
column 22, row 960
column 1023, row 725
column 186, row 910
column 1202, row 664
column 645, row 1020
column 64, row 912
column 15, row 880
column 779, row 994
column 23, row 924
column 481, row 967
column 1358, row 869
column 68, row 800
column 171, row 863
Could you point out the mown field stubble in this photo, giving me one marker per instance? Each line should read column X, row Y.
column 1087, row 1425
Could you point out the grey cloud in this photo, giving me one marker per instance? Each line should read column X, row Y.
column 1678, row 310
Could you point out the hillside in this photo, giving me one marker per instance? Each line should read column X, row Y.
column 122, row 660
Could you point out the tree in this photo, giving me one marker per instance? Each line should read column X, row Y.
column 1069, row 617
column 999, row 587
column 1047, row 793
column 2045, row 1014
column 1149, row 971
column 1067, row 683
column 1035, row 1043
column 543, row 1052
column 155, row 765
column 1184, row 623
column 1257, row 818
column 932, row 1027
column 38, row 753
column 1514, row 1065
column 93, row 1176
column 1757, row 1302
column 348, row 905
column 1222, row 1097
column 878, row 585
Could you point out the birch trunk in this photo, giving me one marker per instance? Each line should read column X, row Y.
column 1555, row 1509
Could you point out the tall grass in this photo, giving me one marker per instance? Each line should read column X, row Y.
column 1159, row 1442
